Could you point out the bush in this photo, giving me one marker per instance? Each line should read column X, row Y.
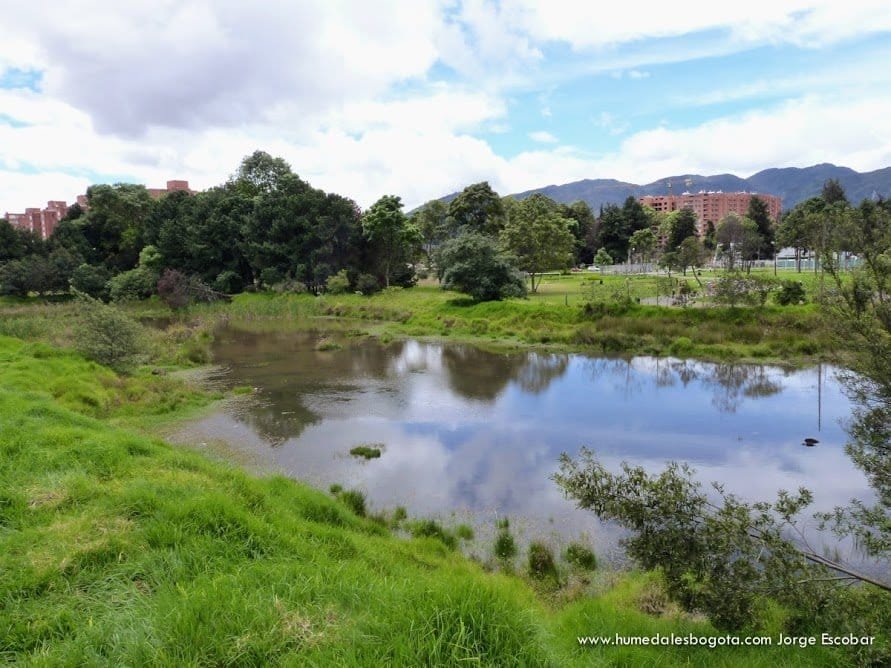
column 367, row 284
column 354, row 500
column 108, row 336
column 173, row 288
column 433, row 529
column 132, row 285
column 91, row 280
column 735, row 288
column 229, row 282
column 505, row 545
column 541, row 561
column 339, row 283
column 270, row 276
column 580, row 556
column 473, row 264
column 790, row 292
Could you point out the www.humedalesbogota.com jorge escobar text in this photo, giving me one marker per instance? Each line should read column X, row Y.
column 726, row 640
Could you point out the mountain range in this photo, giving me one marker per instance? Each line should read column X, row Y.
column 792, row 184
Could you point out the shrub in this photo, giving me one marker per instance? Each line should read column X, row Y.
column 464, row 532
column 505, row 545
column 229, row 282
column 108, row 336
column 91, row 280
column 290, row 286
column 132, row 285
column 367, row 284
column 433, row 529
column 473, row 264
column 541, row 561
column 354, row 500
column 173, row 288
column 580, row 556
column 270, row 276
column 339, row 283
column 790, row 292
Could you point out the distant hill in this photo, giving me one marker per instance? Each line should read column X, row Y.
column 793, row 184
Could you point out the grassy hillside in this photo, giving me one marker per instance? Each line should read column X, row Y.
column 117, row 549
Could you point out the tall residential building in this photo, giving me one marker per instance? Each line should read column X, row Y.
column 712, row 205
column 42, row 222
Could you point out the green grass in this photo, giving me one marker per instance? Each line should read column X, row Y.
column 570, row 312
column 793, row 334
column 369, row 451
column 118, row 549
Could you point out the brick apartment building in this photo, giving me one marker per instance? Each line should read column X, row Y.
column 711, row 206
column 42, row 222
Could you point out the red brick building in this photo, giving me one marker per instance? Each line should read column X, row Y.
column 711, row 206
column 42, row 222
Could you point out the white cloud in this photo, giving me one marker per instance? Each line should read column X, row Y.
column 543, row 137
column 595, row 25
column 189, row 63
column 852, row 132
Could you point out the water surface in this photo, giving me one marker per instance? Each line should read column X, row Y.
column 471, row 435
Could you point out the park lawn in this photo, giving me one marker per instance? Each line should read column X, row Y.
column 118, row 549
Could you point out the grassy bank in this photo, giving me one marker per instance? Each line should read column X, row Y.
column 772, row 333
column 117, row 549
column 574, row 312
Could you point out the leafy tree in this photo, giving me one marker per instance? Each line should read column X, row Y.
column 12, row 246
column 833, row 193
column 717, row 556
column 432, row 224
column 602, row 258
column 581, row 214
column 113, row 225
column 681, row 224
column 91, row 280
column 759, row 213
column 539, row 237
column 473, row 264
column 737, row 236
column 643, row 244
column 860, row 310
column 386, row 226
column 614, row 232
column 477, row 208
column 260, row 173
column 691, row 254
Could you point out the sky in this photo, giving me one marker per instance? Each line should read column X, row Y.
column 421, row 98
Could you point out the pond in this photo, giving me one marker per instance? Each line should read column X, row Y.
column 471, row 436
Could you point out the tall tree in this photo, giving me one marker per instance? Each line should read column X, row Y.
column 539, row 237
column 478, row 208
column 759, row 213
column 833, row 192
column 614, row 232
column 113, row 225
column 387, row 227
column 432, row 223
column 259, row 173
column 581, row 213
column 642, row 244
column 682, row 224
column 12, row 246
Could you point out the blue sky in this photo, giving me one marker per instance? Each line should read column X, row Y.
column 422, row 98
